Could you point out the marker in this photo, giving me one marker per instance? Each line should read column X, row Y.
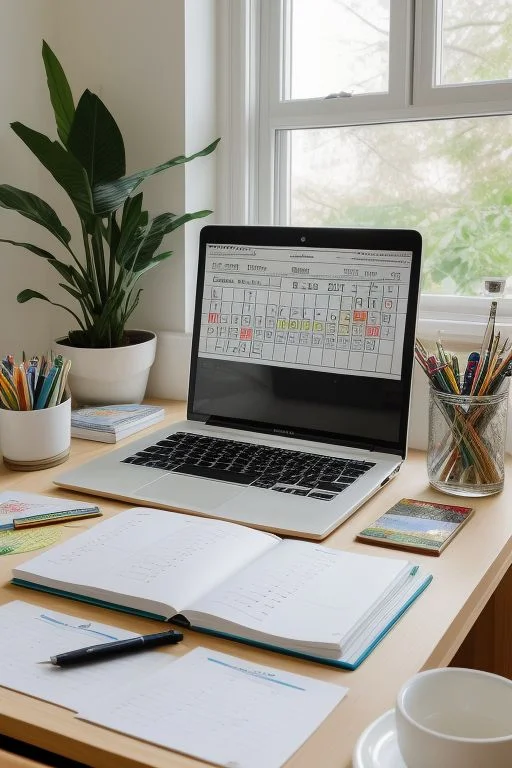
column 469, row 373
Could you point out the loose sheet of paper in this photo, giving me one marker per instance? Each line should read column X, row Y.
column 221, row 709
column 30, row 634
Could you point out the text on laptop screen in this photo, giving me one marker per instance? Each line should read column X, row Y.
column 337, row 311
column 304, row 339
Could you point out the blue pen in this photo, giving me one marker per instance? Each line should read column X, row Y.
column 469, row 373
column 31, row 379
column 46, row 388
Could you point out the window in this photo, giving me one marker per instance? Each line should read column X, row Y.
column 392, row 113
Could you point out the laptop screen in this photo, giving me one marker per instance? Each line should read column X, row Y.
column 307, row 332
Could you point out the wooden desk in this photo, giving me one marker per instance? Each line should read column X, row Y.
column 9, row 760
column 472, row 574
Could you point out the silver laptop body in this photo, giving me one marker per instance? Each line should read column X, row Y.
column 300, row 377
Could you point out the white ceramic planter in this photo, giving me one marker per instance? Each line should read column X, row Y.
column 109, row 375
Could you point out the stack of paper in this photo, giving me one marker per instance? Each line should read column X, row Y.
column 110, row 423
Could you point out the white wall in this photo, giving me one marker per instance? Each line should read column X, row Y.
column 22, row 96
column 153, row 65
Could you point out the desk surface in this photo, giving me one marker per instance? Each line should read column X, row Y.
column 465, row 577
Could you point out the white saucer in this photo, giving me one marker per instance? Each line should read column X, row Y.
column 377, row 746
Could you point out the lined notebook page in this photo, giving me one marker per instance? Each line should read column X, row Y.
column 148, row 554
column 301, row 592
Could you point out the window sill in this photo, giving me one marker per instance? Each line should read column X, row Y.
column 460, row 319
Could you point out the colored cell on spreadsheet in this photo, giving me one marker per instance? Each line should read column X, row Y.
column 359, row 316
column 213, row 317
column 246, row 334
column 372, row 330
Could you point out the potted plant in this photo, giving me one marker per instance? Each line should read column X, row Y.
column 120, row 242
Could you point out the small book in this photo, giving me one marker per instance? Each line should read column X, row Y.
column 110, row 423
column 419, row 526
column 230, row 580
column 25, row 510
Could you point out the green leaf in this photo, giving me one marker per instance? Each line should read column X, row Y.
column 65, row 270
column 28, row 293
column 64, row 167
column 133, row 217
column 133, row 230
column 156, row 260
column 60, row 93
column 114, row 235
column 33, row 248
column 32, row 207
column 181, row 220
column 109, row 196
column 161, row 226
column 96, row 141
column 152, row 240
column 72, row 291
column 132, row 209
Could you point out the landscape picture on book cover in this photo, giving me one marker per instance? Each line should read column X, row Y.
column 414, row 524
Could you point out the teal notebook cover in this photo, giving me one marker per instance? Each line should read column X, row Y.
column 266, row 646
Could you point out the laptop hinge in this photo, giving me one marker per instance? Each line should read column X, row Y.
column 295, row 434
column 249, row 426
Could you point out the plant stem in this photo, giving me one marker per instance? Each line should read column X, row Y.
column 91, row 269
column 99, row 260
column 112, row 258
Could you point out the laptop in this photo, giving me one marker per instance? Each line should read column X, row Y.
column 300, row 382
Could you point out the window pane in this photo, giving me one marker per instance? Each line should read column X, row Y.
column 476, row 41
column 450, row 179
column 338, row 45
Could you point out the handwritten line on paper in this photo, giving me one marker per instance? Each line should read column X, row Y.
column 83, row 627
column 269, row 677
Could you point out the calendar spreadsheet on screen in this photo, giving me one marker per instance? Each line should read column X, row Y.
column 313, row 333
column 319, row 309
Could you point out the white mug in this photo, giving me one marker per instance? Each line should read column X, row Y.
column 455, row 718
column 35, row 439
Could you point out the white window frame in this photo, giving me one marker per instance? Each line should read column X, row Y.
column 255, row 118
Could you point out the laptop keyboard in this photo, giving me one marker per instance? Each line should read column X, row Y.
column 277, row 469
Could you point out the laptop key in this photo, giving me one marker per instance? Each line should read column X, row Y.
column 321, row 496
column 212, row 473
column 334, row 487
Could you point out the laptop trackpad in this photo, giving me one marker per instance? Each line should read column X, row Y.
column 189, row 492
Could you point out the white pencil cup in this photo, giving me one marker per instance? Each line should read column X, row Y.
column 35, row 439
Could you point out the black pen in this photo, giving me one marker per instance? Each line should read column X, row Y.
column 117, row 648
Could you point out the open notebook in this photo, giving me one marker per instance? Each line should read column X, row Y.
column 295, row 597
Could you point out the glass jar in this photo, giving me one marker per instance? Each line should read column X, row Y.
column 466, row 442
